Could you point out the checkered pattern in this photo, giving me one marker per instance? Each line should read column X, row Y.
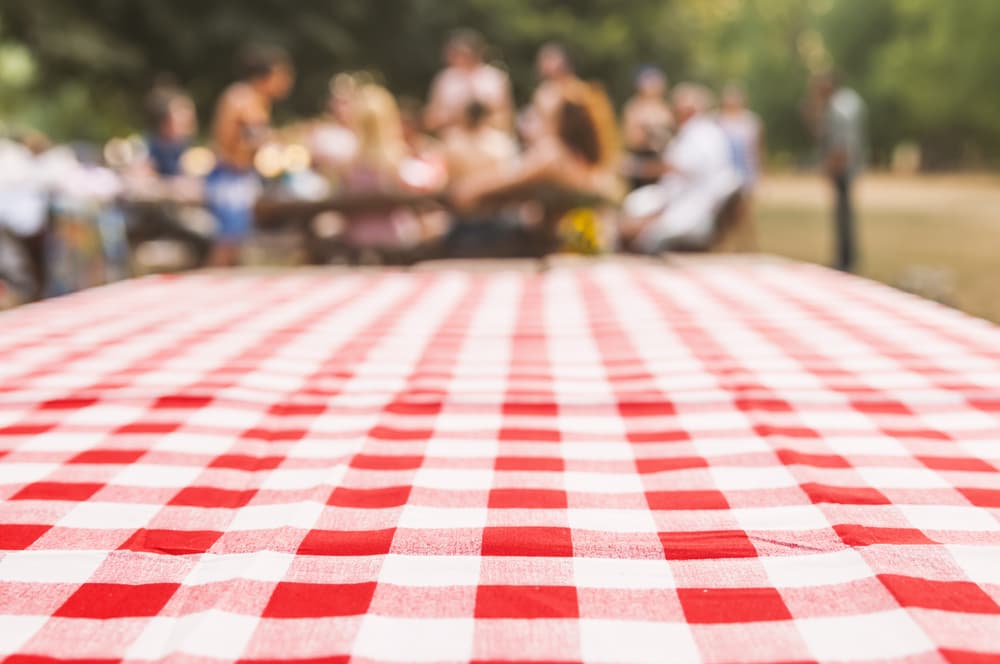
column 607, row 463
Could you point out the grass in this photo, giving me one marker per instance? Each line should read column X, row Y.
column 936, row 236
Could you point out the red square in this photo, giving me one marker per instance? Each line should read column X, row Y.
column 414, row 407
column 969, row 464
column 770, row 405
column 386, row 462
column 967, row 656
column 528, row 499
column 532, row 435
column 858, row 535
column 769, row 430
column 57, row 491
column 108, row 456
column 287, row 409
column 25, row 429
column 663, row 436
column 19, row 536
column 270, row 435
column 392, row 496
column 881, row 407
column 114, row 600
column 246, row 462
column 149, row 427
column 347, row 542
column 207, row 496
column 172, row 542
column 527, row 602
column 792, row 458
column 182, row 401
column 530, row 463
column 669, row 463
column 982, row 497
column 69, row 403
column 732, row 605
column 707, row 544
column 955, row 596
column 844, row 495
column 646, row 408
column 528, row 541
column 392, row 433
column 319, row 600
column 687, row 500
column 539, row 409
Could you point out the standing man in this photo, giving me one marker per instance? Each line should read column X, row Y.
column 836, row 115
column 242, row 125
column 467, row 79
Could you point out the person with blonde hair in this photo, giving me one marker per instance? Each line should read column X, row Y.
column 380, row 153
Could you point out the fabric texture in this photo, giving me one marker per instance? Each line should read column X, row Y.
column 613, row 463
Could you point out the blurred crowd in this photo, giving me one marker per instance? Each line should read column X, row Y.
column 376, row 179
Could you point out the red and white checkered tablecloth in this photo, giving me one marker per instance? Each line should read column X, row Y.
column 612, row 463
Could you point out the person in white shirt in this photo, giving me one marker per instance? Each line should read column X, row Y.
column 467, row 79
column 697, row 179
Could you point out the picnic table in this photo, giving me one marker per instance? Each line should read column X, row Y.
column 586, row 461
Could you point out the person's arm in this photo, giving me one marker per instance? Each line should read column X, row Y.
column 632, row 129
column 503, row 115
column 537, row 166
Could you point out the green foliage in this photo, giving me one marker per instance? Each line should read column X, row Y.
column 926, row 67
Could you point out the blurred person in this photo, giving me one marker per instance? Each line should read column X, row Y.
column 467, row 78
column 173, row 123
column 697, row 178
column 475, row 145
column 746, row 139
column 241, row 126
column 426, row 166
column 555, row 70
column 333, row 142
column 647, row 121
column 579, row 155
column 836, row 114
column 377, row 170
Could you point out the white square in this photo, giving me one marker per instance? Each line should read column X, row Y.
column 587, row 482
column 622, row 573
column 819, row 569
column 326, row 450
column 880, row 477
column 24, row 473
column 948, row 517
column 195, row 443
column 219, row 417
column 628, row 642
column 15, row 631
column 106, row 415
column 291, row 479
column 211, row 633
column 110, row 516
column 732, row 478
column 712, row 447
column 388, row 639
column 430, row 571
column 461, row 449
column 981, row 563
column 890, row 635
column 793, row 517
column 152, row 475
column 63, row 441
column 612, row 520
column 966, row 420
column 460, row 479
column 487, row 421
column 257, row 566
column 866, row 446
column 608, row 424
column 716, row 421
column 343, row 423
column 609, row 451
column 302, row 514
column 50, row 566
column 420, row 517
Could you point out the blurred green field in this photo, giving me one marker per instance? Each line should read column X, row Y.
column 936, row 236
